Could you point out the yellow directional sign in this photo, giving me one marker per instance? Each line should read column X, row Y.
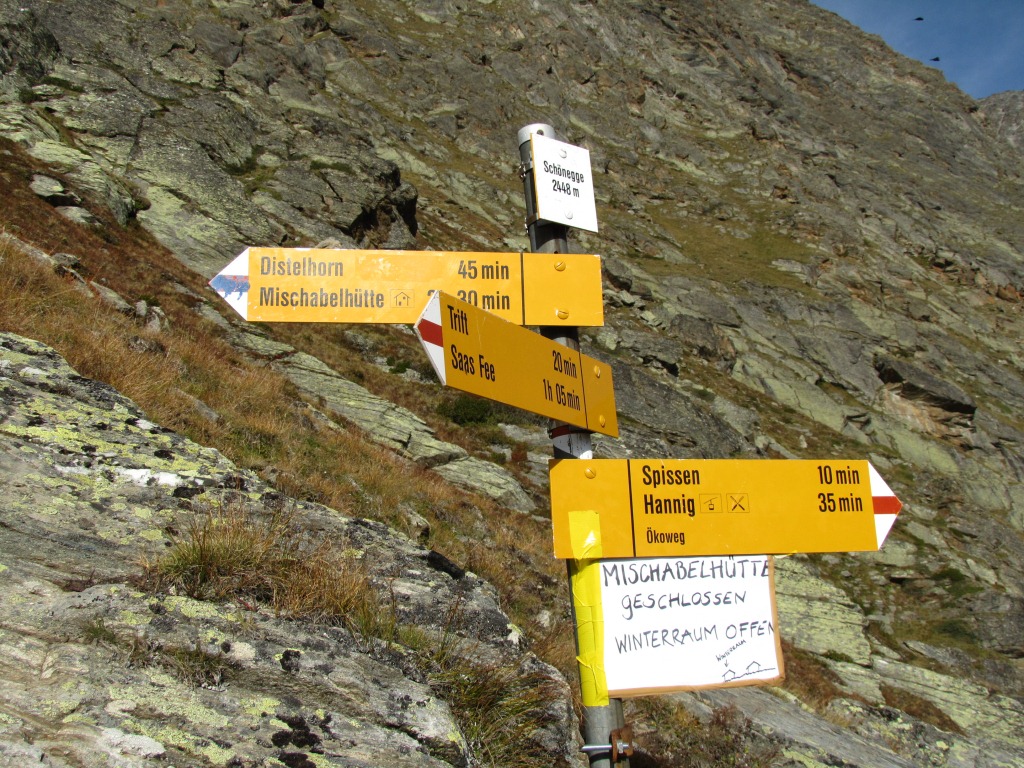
column 608, row 508
column 478, row 352
column 355, row 286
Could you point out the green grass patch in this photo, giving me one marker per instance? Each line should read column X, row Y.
column 715, row 254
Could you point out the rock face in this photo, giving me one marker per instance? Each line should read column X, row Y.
column 1005, row 113
column 91, row 488
column 813, row 247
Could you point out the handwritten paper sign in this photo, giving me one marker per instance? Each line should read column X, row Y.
column 674, row 624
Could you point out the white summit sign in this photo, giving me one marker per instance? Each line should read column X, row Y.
column 564, row 183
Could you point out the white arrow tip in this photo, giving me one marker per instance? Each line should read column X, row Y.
column 428, row 328
column 232, row 283
column 886, row 505
column 883, row 524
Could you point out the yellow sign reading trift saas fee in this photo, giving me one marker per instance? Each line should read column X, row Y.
column 478, row 352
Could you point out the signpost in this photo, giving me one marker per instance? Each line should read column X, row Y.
column 675, row 624
column 675, row 507
column 309, row 285
column 478, row 352
column 605, row 733
column 669, row 560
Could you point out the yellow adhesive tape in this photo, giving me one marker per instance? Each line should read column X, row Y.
column 585, row 534
column 586, row 596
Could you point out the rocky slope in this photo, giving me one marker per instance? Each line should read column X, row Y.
column 1004, row 112
column 93, row 665
column 812, row 247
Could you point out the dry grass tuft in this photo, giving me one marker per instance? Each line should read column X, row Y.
column 234, row 554
column 192, row 665
column 499, row 705
column 922, row 709
column 670, row 736
column 196, row 667
column 808, row 678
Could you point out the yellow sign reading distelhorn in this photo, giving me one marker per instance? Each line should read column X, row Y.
column 680, row 507
column 310, row 285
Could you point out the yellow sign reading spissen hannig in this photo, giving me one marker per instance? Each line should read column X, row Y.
column 361, row 286
column 606, row 508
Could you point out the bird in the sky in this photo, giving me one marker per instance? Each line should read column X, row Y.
column 919, row 18
column 936, row 59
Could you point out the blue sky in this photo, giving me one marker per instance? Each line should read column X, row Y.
column 980, row 43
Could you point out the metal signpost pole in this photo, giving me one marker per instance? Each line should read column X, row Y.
column 601, row 723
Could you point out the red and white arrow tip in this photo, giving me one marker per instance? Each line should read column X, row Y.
column 885, row 503
column 428, row 328
column 232, row 283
